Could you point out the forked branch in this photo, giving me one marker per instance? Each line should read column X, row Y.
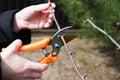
column 102, row 31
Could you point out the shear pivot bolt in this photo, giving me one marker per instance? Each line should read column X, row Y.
column 57, row 45
column 54, row 54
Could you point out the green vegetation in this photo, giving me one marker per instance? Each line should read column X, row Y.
column 105, row 14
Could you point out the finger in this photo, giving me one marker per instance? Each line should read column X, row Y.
column 48, row 24
column 53, row 5
column 13, row 47
column 46, row 12
column 50, row 16
column 38, row 67
column 42, row 21
column 49, row 21
column 35, row 75
column 41, row 7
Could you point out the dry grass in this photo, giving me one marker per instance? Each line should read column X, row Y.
column 97, row 62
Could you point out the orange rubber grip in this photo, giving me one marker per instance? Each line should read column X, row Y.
column 36, row 45
column 48, row 59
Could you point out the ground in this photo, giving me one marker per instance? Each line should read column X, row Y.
column 98, row 62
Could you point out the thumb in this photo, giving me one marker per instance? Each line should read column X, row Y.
column 42, row 7
column 13, row 47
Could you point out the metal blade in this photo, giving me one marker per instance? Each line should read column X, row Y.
column 68, row 38
column 60, row 32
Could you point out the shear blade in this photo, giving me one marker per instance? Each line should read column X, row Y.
column 68, row 38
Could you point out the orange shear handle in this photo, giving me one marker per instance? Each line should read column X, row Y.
column 36, row 45
column 48, row 59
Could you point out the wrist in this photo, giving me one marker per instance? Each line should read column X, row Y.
column 16, row 27
column 19, row 23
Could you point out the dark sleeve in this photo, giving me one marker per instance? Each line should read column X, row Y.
column 7, row 35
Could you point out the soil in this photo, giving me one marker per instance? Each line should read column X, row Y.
column 98, row 62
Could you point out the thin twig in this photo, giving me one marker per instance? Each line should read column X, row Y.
column 67, row 49
column 102, row 31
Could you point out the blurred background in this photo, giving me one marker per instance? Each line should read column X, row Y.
column 93, row 52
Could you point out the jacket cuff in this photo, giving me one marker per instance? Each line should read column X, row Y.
column 6, row 26
column 7, row 34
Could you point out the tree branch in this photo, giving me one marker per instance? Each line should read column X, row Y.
column 102, row 31
column 67, row 49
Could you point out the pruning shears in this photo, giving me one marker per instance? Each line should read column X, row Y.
column 55, row 42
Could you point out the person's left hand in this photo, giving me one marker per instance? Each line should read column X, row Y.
column 34, row 17
column 15, row 67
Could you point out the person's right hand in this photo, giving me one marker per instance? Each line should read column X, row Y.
column 15, row 67
column 34, row 17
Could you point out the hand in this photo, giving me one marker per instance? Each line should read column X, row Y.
column 34, row 17
column 15, row 67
